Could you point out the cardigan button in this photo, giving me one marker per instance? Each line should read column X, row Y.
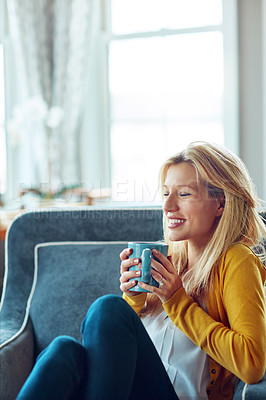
column 212, row 382
column 208, row 392
column 213, row 371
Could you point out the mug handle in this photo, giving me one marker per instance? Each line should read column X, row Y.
column 146, row 265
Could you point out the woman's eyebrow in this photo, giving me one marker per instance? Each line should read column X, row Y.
column 190, row 186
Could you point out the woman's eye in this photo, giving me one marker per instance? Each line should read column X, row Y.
column 165, row 194
column 184, row 194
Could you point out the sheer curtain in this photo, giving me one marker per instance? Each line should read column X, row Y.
column 53, row 44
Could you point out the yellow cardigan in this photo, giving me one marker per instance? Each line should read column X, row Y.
column 233, row 332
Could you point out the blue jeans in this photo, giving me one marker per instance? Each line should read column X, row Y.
column 117, row 361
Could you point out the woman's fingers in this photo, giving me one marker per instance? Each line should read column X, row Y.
column 156, row 275
column 130, row 262
column 166, row 275
column 125, row 254
column 165, row 261
column 127, row 281
column 129, row 275
column 124, row 287
column 158, row 270
column 127, row 262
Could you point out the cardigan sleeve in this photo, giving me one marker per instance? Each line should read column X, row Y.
column 137, row 302
column 233, row 331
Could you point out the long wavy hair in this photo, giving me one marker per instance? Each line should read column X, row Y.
column 224, row 174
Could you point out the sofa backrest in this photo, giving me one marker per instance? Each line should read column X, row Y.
column 59, row 261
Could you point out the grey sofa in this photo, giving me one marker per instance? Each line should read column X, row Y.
column 57, row 263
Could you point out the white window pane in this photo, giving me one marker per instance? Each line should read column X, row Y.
column 136, row 68
column 175, row 77
column 165, row 91
column 136, row 157
column 2, row 102
column 130, row 16
column 139, row 149
column 180, row 134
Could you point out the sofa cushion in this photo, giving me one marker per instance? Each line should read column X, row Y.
column 68, row 277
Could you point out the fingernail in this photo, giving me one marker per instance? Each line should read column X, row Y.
column 136, row 260
column 155, row 251
column 133, row 283
column 138, row 272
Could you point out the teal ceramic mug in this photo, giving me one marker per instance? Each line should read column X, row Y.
column 144, row 250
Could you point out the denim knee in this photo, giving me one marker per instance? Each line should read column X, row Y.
column 65, row 350
column 108, row 310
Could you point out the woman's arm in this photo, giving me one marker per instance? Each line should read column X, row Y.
column 238, row 342
column 136, row 302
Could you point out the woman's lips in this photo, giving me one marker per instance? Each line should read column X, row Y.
column 175, row 222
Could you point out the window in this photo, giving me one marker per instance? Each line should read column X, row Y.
column 2, row 129
column 166, row 83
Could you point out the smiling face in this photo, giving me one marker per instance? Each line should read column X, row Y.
column 191, row 213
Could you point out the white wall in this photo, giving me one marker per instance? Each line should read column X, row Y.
column 252, row 86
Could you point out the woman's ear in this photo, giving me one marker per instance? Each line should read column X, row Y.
column 221, row 204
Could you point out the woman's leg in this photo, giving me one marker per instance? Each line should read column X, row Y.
column 122, row 360
column 57, row 373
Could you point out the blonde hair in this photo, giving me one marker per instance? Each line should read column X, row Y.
column 224, row 174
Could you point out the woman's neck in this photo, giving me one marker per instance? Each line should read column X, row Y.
column 194, row 253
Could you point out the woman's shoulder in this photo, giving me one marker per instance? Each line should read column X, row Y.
column 239, row 250
column 243, row 257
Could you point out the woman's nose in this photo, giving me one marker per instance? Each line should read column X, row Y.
column 170, row 203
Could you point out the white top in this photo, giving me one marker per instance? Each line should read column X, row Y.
column 186, row 364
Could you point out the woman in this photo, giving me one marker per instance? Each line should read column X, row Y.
column 216, row 298
column 204, row 324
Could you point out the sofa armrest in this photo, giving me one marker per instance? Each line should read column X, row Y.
column 251, row 392
column 16, row 362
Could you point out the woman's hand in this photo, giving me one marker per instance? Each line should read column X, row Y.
column 166, row 275
column 126, row 274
